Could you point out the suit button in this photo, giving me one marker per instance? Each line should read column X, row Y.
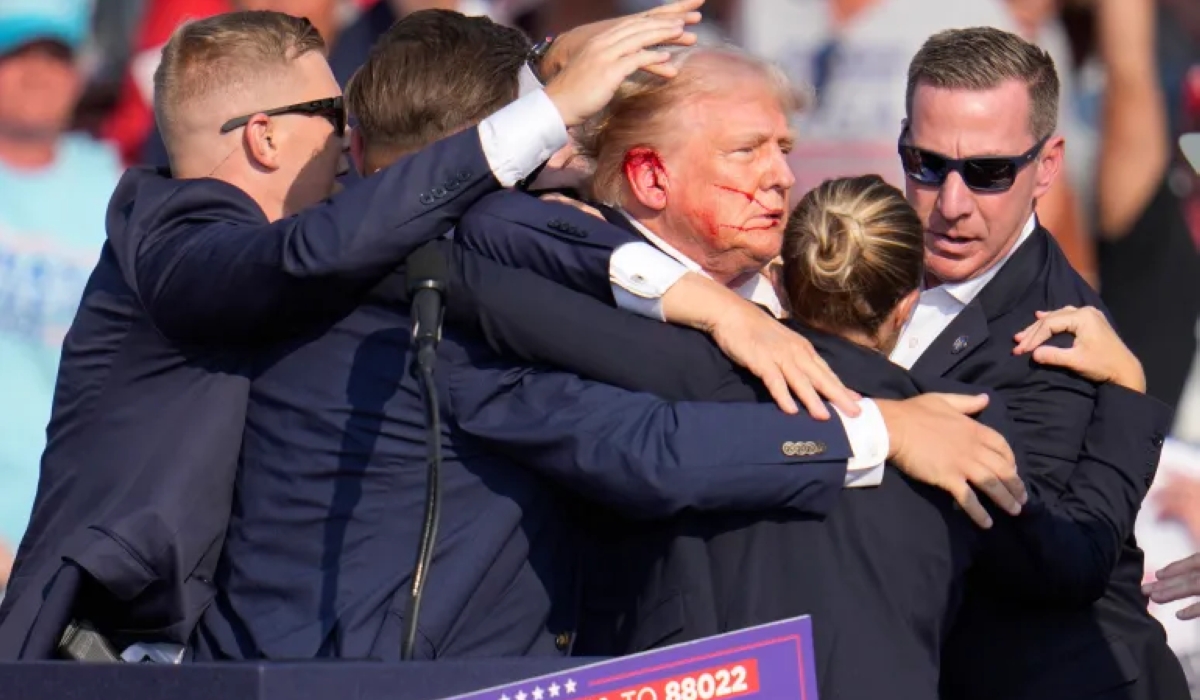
column 427, row 199
column 1158, row 440
column 562, row 641
column 463, row 176
column 555, row 224
column 453, row 185
column 439, row 192
column 804, row 448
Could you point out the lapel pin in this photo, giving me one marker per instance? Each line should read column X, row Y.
column 960, row 344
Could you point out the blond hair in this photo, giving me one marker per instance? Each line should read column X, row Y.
column 640, row 114
column 982, row 58
column 852, row 250
column 222, row 53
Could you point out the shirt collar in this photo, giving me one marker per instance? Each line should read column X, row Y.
column 758, row 289
column 965, row 292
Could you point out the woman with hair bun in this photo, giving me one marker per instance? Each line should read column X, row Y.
column 853, row 258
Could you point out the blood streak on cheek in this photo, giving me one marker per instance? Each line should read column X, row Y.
column 748, row 195
column 749, row 198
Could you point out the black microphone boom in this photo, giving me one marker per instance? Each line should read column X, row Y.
column 426, row 276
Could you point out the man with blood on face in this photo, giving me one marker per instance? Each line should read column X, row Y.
column 712, row 182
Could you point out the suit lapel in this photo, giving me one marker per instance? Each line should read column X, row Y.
column 969, row 329
column 962, row 337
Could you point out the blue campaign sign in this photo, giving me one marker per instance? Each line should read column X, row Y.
column 770, row 661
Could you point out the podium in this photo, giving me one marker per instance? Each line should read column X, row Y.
column 415, row 680
column 768, row 662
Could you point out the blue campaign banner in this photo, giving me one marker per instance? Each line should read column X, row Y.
column 770, row 661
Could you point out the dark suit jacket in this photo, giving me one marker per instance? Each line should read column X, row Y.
column 150, row 403
column 329, row 496
column 1113, row 648
column 502, row 226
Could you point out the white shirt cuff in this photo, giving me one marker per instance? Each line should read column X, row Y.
column 868, row 439
column 640, row 275
column 527, row 82
column 522, row 136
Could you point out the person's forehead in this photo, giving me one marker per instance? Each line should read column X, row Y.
column 754, row 106
column 963, row 122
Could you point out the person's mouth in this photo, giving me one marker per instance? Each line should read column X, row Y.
column 948, row 244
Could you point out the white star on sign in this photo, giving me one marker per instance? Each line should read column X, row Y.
column 569, row 685
column 537, row 693
column 505, row 697
column 521, row 695
column 554, row 689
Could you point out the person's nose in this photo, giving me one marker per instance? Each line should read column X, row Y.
column 778, row 174
column 955, row 199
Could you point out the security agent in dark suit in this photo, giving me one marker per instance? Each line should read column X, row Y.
column 977, row 160
column 327, row 504
column 883, row 572
column 201, row 267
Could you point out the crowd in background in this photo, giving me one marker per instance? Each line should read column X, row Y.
column 75, row 111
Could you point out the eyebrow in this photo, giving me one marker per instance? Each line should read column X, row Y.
column 988, row 153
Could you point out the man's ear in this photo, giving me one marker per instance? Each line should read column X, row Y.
column 260, row 139
column 646, row 177
column 357, row 152
column 1048, row 165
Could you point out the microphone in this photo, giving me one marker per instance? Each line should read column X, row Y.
column 426, row 273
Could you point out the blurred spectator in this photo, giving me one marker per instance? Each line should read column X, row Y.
column 104, row 58
column 855, row 54
column 1179, row 500
column 54, row 188
column 1148, row 262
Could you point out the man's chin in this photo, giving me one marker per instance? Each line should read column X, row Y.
column 950, row 269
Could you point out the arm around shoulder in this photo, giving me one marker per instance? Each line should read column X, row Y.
column 210, row 268
column 647, row 456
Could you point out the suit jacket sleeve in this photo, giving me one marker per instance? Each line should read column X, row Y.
column 554, row 240
column 212, row 269
column 584, row 336
column 1050, row 409
column 641, row 454
column 1065, row 545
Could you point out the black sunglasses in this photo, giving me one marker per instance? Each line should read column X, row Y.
column 981, row 174
column 330, row 108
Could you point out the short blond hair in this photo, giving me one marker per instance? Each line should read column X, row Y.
column 983, row 58
column 852, row 250
column 639, row 115
column 223, row 52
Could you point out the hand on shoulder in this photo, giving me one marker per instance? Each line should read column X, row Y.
column 1097, row 354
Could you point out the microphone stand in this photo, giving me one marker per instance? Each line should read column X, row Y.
column 426, row 359
column 426, row 333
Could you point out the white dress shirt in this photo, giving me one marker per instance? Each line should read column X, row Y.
column 521, row 136
column 939, row 306
column 641, row 273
